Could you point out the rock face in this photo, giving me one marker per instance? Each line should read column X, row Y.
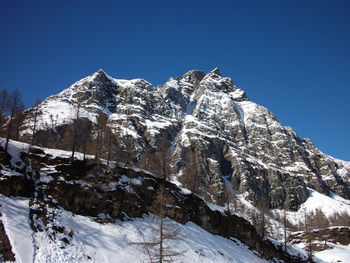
column 219, row 141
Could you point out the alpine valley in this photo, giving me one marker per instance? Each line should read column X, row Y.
column 99, row 165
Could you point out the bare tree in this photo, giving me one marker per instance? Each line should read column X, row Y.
column 166, row 253
column 109, row 136
column 308, row 237
column 260, row 223
column 34, row 121
column 4, row 103
column 285, row 230
column 317, row 219
column 235, row 202
column 151, row 244
column 263, row 223
column 158, row 248
column 15, row 106
column 75, row 131
column 340, row 219
column 85, row 127
column 101, row 128
column 18, row 121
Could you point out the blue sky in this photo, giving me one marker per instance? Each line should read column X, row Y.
column 291, row 56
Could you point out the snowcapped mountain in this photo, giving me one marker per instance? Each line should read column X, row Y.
column 215, row 133
column 228, row 160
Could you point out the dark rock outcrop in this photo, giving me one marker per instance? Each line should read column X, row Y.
column 6, row 253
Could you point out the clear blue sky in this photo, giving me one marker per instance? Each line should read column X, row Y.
column 291, row 56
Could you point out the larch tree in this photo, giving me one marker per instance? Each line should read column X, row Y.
column 18, row 121
column 35, row 112
column 158, row 248
column 308, row 237
column 4, row 104
column 109, row 145
column 285, row 229
column 75, row 130
column 15, row 106
column 85, row 134
column 33, row 122
column 101, row 129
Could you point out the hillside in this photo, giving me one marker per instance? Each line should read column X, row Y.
column 65, row 214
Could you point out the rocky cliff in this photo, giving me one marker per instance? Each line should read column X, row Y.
column 217, row 142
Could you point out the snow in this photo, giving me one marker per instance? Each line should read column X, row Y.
column 156, row 124
column 339, row 254
column 96, row 242
column 173, row 83
column 15, row 214
column 237, row 94
column 16, row 147
column 55, row 112
column 328, row 205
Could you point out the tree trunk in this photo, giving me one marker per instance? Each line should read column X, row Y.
column 285, row 230
column 109, row 149
column 75, row 133
column 161, row 224
column 8, row 133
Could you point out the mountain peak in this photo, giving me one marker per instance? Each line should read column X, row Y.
column 216, row 71
column 193, row 76
column 102, row 76
column 101, row 71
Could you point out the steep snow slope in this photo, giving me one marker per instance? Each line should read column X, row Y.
column 15, row 217
column 109, row 242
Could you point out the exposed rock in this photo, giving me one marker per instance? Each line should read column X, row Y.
column 211, row 127
column 6, row 253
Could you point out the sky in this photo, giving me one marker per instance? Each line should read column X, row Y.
column 291, row 56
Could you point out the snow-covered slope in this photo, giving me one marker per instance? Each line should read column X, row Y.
column 110, row 242
column 68, row 237
column 47, row 223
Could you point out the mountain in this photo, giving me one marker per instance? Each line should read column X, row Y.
column 234, row 176
column 222, row 144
